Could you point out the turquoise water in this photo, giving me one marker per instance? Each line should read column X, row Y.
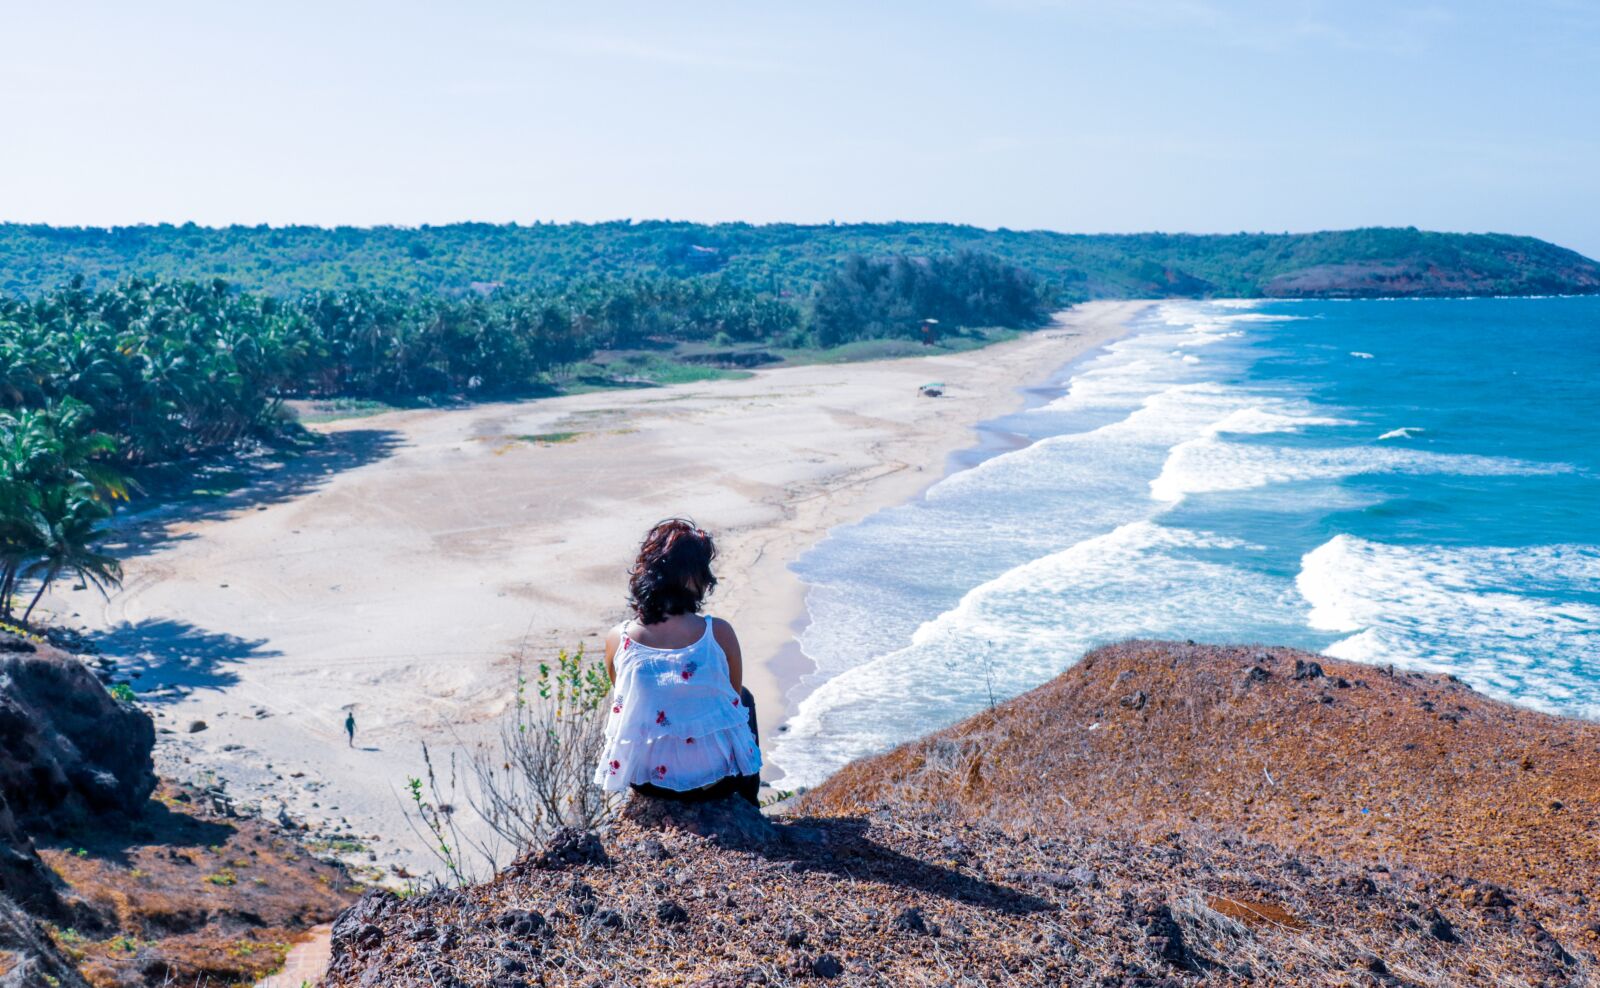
column 1405, row 482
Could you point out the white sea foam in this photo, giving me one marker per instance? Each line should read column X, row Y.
column 1491, row 616
column 1210, row 463
column 1022, row 628
column 1361, row 354
column 1405, row 432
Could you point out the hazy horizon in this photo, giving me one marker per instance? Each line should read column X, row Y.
column 1178, row 116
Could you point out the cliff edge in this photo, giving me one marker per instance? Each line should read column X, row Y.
column 1105, row 829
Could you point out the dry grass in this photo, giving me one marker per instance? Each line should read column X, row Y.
column 191, row 898
column 1207, row 830
column 1387, row 769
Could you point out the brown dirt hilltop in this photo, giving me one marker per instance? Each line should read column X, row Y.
column 1106, row 829
column 1313, row 755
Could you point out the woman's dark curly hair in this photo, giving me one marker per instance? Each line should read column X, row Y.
column 673, row 572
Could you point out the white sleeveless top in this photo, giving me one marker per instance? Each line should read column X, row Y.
column 675, row 720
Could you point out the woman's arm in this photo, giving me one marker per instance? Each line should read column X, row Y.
column 722, row 631
column 613, row 642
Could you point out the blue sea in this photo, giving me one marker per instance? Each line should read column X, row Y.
column 1412, row 482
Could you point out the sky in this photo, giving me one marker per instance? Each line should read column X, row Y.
column 1119, row 115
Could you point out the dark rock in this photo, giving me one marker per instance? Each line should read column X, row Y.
column 1164, row 937
column 669, row 913
column 70, row 754
column 368, row 936
column 1439, row 927
column 570, row 847
column 608, row 919
column 794, row 939
column 731, row 822
column 1307, row 670
column 520, row 922
column 35, row 958
column 911, row 921
column 196, row 726
column 350, row 935
column 1256, row 674
column 581, row 891
column 827, row 966
column 1135, row 700
column 24, row 878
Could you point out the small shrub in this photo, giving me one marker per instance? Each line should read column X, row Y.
column 536, row 779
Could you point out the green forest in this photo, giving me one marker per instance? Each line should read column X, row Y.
column 787, row 260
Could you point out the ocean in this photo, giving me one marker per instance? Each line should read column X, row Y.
column 1406, row 482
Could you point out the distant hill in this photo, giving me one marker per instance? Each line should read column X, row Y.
column 787, row 258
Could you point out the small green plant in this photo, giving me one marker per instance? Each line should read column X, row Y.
column 80, row 853
column 123, row 693
column 539, row 777
column 550, row 438
column 777, row 797
column 224, row 878
column 126, row 944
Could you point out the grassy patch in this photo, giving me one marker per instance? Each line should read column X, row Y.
column 321, row 410
column 550, row 438
column 891, row 349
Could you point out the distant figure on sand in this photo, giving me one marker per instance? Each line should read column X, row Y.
column 350, row 726
column 682, row 725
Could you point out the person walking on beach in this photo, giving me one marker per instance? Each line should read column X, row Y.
column 682, row 725
column 350, row 726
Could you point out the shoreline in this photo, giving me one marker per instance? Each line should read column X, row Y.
column 1098, row 324
column 401, row 573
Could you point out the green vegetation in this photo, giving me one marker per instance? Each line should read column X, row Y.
column 549, row 438
column 784, row 261
column 129, row 347
column 56, row 492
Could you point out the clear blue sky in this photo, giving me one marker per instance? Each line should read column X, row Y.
column 1063, row 114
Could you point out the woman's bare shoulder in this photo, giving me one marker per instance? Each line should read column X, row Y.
column 722, row 630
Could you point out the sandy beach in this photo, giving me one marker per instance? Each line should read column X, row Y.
column 402, row 569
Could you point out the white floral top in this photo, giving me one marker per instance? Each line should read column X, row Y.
column 675, row 720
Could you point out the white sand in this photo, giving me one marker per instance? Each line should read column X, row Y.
column 402, row 584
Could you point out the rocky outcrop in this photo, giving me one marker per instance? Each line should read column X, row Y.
column 1311, row 754
column 907, row 898
column 1164, row 814
column 24, row 879
column 70, row 754
column 28, row 958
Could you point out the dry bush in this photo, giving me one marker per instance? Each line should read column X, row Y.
column 535, row 779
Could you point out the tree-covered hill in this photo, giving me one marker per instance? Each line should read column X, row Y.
column 788, row 258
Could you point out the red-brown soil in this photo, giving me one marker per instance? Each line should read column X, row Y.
column 186, row 897
column 1372, row 766
column 1162, row 815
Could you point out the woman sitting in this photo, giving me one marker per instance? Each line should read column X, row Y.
column 682, row 726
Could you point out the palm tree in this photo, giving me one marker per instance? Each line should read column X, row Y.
column 72, row 514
